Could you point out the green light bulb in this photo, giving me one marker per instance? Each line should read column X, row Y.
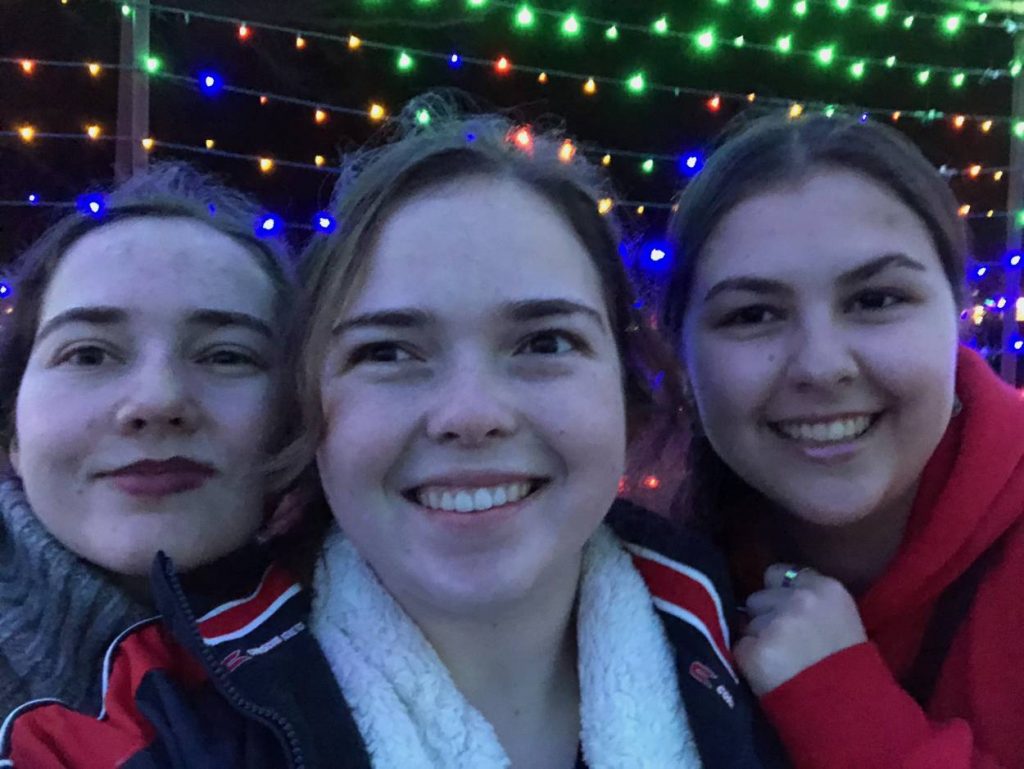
column 705, row 39
column 525, row 17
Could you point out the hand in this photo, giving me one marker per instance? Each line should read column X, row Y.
column 794, row 627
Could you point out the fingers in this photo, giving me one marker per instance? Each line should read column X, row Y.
column 788, row 575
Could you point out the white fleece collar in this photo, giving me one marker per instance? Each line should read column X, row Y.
column 412, row 716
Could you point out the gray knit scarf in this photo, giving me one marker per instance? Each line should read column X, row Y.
column 58, row 613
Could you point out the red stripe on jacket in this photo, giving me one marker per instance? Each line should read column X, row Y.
column 275, row 583
column 51, row 736
column 686, row 593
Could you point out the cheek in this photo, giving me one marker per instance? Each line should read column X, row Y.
column 244, row 416
column 365, row 433
column 728, row 380
column 54, row 430
column 587, row 418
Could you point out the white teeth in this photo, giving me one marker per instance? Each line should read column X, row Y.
column 826, row 432
column 463, row 502
column 471, row 500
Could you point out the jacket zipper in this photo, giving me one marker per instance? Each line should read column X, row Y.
column 223, row 683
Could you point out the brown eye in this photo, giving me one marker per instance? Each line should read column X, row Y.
column 750, row 316
column 86, row 356
column 379, row 352
column 550, row 343
column 876, row 300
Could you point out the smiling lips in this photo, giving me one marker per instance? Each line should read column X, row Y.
column 159, row 478
column 839, row 430
column 472, row 499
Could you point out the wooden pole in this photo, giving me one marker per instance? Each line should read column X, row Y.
column 133, row 94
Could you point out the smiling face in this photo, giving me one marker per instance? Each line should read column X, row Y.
column 473, row 399
column 821, row 341
column 142, row 416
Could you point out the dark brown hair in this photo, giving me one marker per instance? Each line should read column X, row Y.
column 167, row 190
column 773, row 152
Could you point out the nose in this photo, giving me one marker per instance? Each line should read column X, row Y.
column 158, row 400
column 821, row 357
column 471, row 408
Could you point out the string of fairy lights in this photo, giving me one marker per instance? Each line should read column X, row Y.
column 947, row 24
column 637, row 83
column 211, row 83
column 571, row 25
column 705, row 41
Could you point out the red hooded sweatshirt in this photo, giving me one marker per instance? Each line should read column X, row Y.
column 849, row 711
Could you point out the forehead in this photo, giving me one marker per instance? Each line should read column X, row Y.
column 822, row 226
column 465, row 245
column 160, row 266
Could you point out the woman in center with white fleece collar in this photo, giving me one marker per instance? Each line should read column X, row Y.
column 472, row 368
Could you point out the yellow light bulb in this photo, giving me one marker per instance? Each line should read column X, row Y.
column 320, row 161
column 93, row 131
column 95, row 69
column 590, row 87
column 27, row 133
column 210, row 144
column 266, row 165
column 354, row 42
column 377, row 112
column 148, row 143
column 604, row 205
column 567, row 151
column 320, row 117
column 606, row 160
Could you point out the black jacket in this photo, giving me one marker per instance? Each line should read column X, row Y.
column 244, row 684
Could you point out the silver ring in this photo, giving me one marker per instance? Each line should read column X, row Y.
column 792, row 574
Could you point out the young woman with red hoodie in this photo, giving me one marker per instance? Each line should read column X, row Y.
column 864, row 471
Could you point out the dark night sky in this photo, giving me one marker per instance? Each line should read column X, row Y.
column 66, row 100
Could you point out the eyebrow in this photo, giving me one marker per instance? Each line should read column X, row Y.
column 856, row 275
column 519, row 311
column 112, row 316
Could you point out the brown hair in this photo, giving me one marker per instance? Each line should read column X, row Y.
column 454, row 146
column 768, row 153
column 167, row 190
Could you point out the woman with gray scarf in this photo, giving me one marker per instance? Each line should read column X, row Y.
column 140, row 396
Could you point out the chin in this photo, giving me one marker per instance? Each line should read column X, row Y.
column 830, row 513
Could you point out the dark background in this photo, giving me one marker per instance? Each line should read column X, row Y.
column 65, row 100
